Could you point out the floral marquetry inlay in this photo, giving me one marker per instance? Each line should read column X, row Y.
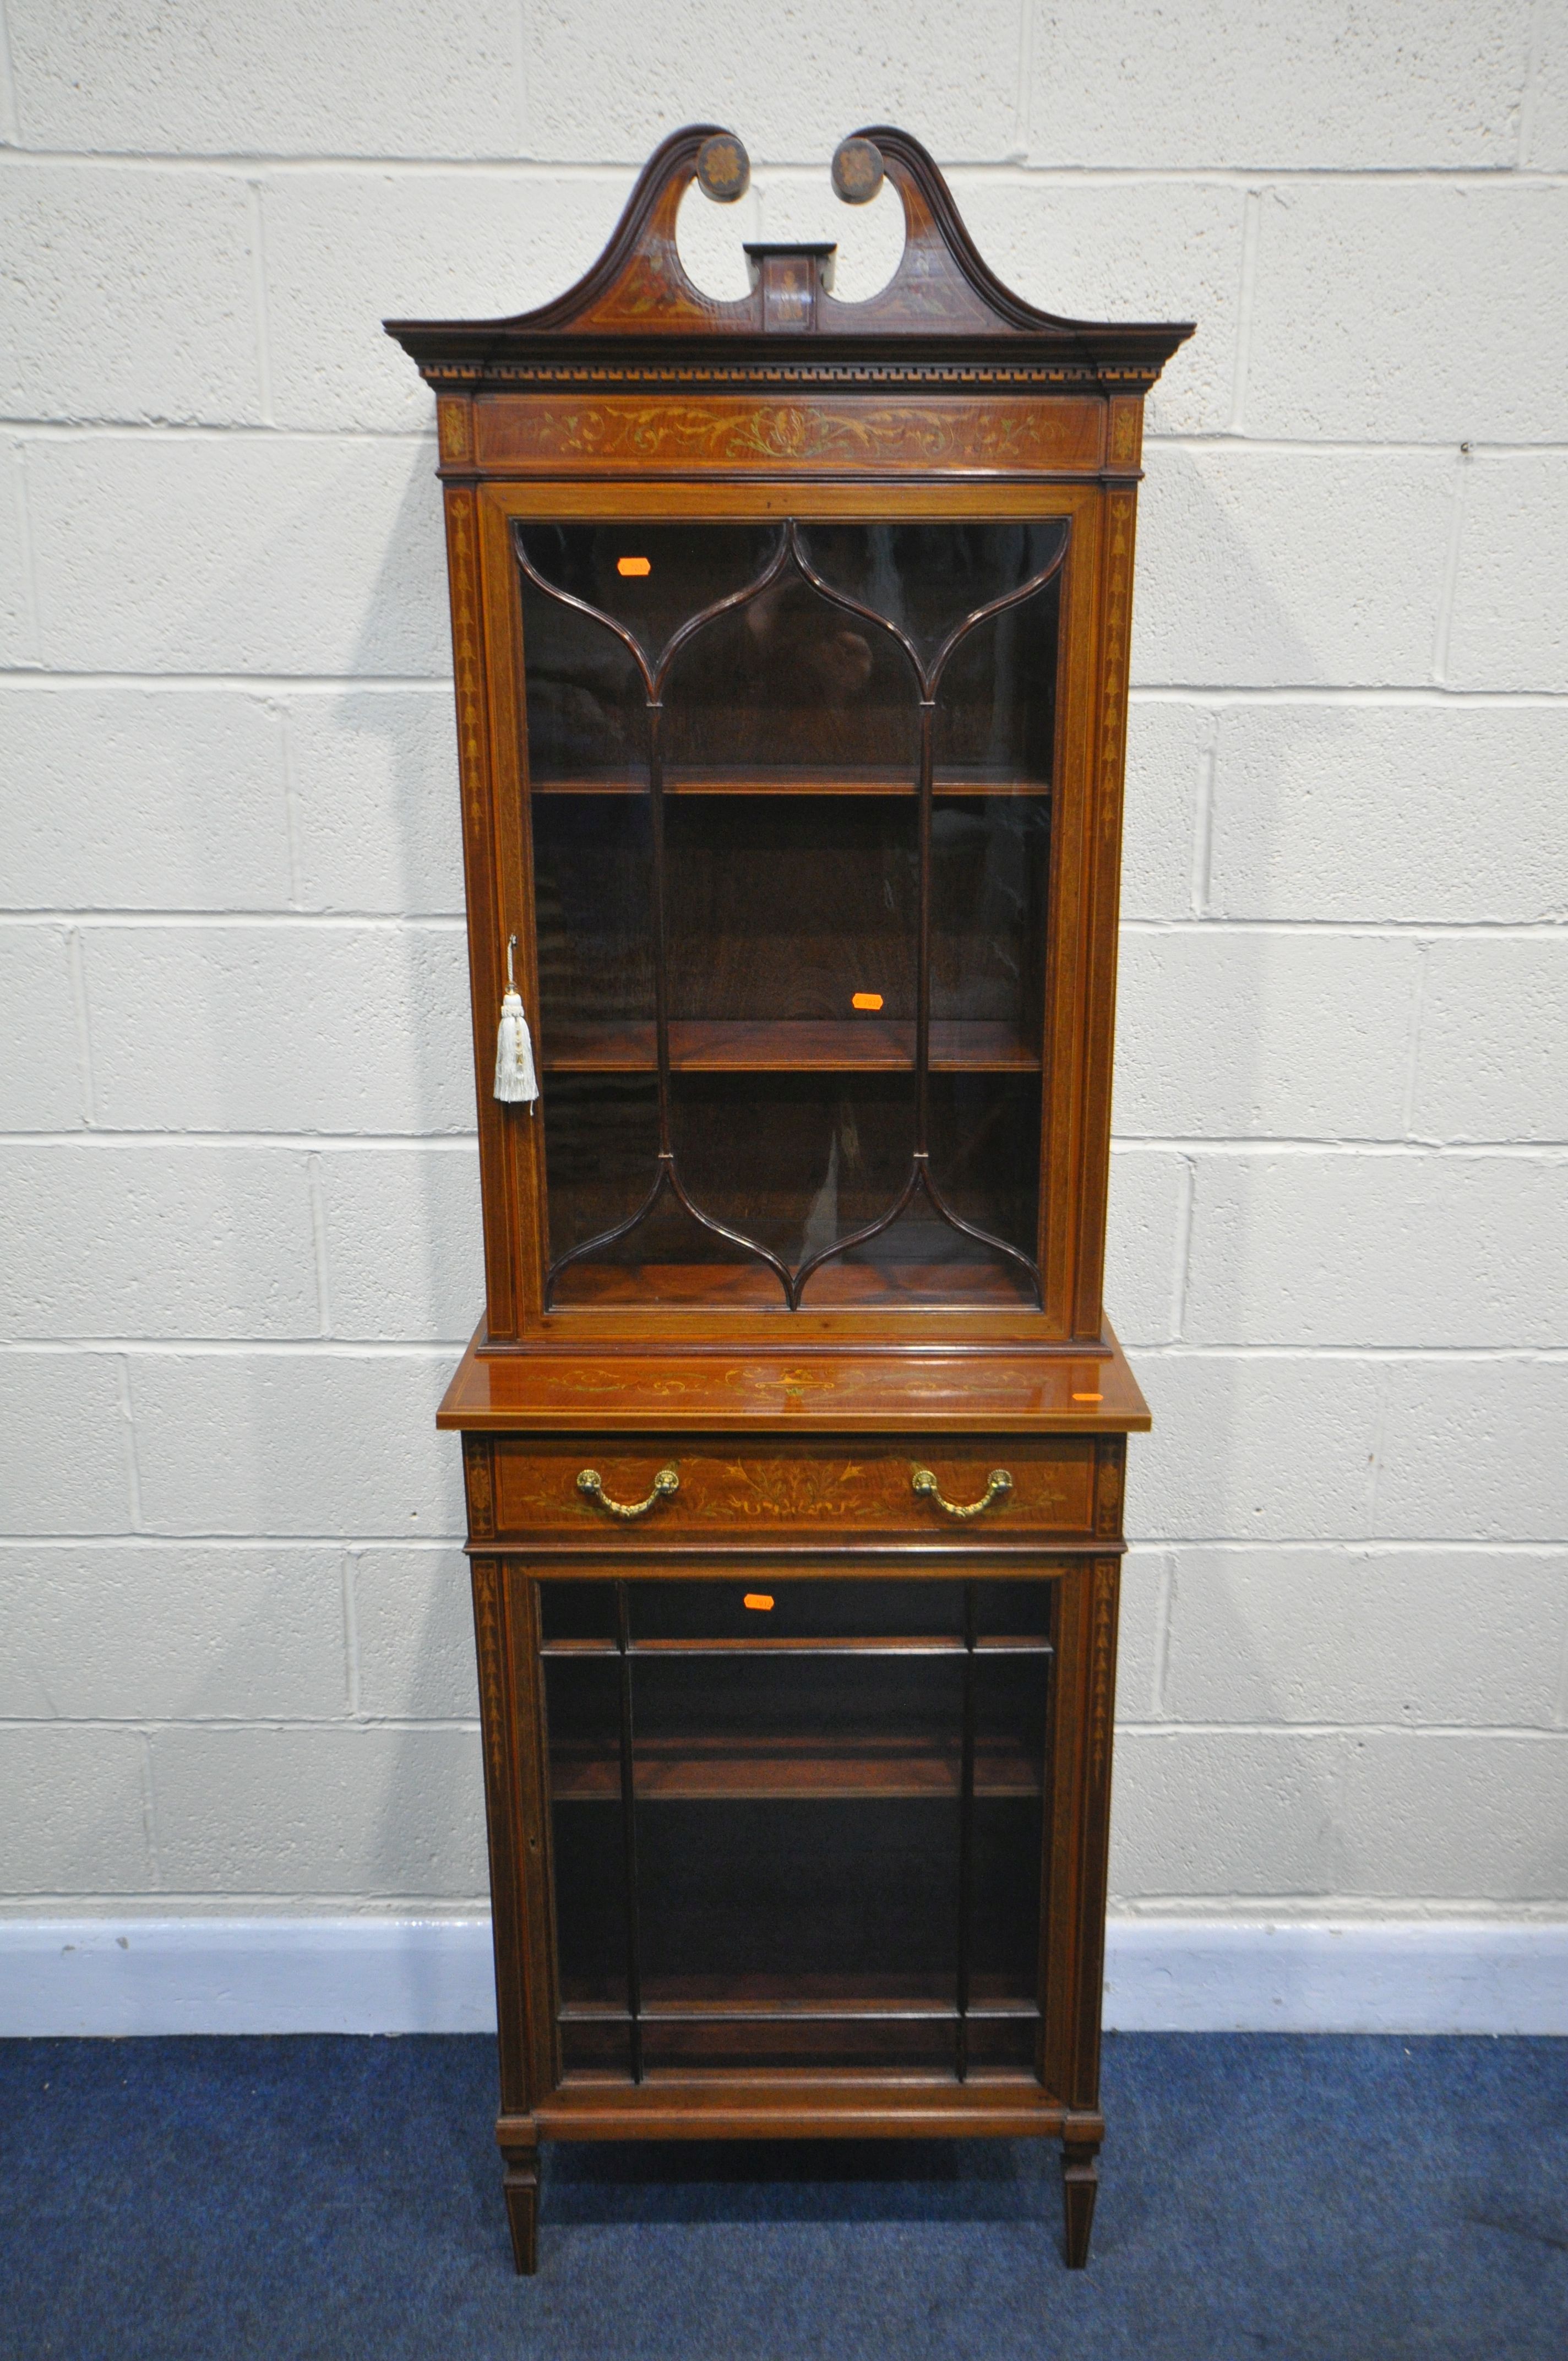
column 1119, row 512
column 1103, row 1664
column 452, row 427
column 1008, row 432
column 487, row 1644
column 790, row 1488
column 462, row 568
column 537, row 1489
column 481, row 1496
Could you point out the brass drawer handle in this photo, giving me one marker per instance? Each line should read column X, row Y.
column 666, row 1481
column 996, row 1483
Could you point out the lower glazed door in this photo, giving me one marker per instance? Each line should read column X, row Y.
column 798, row 1827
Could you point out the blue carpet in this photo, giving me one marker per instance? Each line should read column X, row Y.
column 1348, row 2198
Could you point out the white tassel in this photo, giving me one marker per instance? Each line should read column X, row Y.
column 516, row 1081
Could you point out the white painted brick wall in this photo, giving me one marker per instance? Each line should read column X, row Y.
column 238, row 1238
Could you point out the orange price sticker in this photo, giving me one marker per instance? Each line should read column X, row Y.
column 634, row 566
column 866, row 1000
column 759, row 1598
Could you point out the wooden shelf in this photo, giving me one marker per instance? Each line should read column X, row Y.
column 996, row 1286
column 891, row 781
column 763, row 1998
column 843, row 1046
column 1029, row 1644
column 812, row 1769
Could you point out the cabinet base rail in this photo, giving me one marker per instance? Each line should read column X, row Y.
column 1080, row 2133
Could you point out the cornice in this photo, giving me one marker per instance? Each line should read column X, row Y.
column 637, row 320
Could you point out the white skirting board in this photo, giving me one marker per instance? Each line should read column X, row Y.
column 103, row 1976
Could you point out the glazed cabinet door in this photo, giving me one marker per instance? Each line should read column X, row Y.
column 788, row 800
column 800, row 1826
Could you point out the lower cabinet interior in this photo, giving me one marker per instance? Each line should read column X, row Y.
column 799, row 1827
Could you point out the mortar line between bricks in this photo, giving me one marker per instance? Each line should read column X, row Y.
column 1164, row 1616
column 102, row 1136
column 1375, row 1907
column 437, row 1350
column 1536, row 929
column 1375, row 1457
column 34, row 630
column 1203, row 820
column 339, row 1348
column 128, row 1416
column 149, row 1792
column 207, row 1904
column 254, row 194
column 10, row 114
column 291, row 828
column 80, row 1018
column 1181, row 1254
column 1534, row 43
column 152, row 1725
column 378, row 922
column 318, row 1545
column 207, row 1901
column 622, row 171
column 1181, row 1351
column 1413, row 1050
column 440, row 922
column 1436, row 695
column 1448, row 583
column 61, row 679
column 318, row 1240
column 266, row 433
column 457, row 1725
column 1140, row 1544
column 1252, row 206
column 1348, row 446
column 1024, row 116
column 349, row 1574
column 259, row 433
column 1270, row 1144
column 519, row 21
column 108, row 1137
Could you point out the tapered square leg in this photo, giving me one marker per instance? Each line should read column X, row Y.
column 1080, row 2187
column 521, row 2186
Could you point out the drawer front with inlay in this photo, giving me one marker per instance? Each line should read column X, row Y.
column 648, row 1493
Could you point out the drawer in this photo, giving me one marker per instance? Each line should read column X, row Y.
column 575, row 1490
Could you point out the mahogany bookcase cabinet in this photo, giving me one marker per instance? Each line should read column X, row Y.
column 791, row 655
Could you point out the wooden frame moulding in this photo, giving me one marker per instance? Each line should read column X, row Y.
column 1080, row 932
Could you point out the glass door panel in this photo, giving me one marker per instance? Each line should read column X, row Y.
column 803, row 1826
column 791, row 690
column 790, row 794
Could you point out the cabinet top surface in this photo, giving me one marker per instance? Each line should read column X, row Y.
column 812, row 1391
column 944, row 318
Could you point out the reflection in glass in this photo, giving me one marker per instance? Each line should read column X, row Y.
column 782, row 908
column 996, row 722
column 587, row 718
column 592, row 919
column 790, row 683
column 689, row 566
column 929, row 578
column 990, row 876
